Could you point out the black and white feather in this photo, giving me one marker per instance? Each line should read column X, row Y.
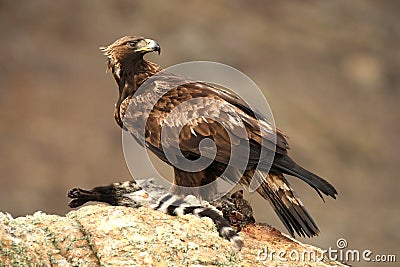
column 131, row 194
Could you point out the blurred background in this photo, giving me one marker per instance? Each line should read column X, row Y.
column 329, row 69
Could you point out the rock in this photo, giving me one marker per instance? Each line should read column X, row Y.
column 102, row 235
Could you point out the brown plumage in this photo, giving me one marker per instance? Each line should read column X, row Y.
column 134, row 111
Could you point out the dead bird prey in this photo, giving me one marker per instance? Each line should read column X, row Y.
column 131, row 70
column 229, row 211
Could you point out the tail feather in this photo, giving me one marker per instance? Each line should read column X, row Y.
column 286, row 165
column 289, row 208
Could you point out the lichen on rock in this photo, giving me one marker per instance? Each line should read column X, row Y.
column 100, row 235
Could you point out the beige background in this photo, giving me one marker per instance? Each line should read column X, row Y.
column 329, row 69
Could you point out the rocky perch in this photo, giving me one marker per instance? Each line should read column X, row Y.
column 100, row 235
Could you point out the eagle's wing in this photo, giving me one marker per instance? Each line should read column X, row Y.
column 193, row 111
column 179, row 118
column 259, row 122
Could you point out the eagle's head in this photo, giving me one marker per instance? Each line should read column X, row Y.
column 130, row 48
column 125, row 61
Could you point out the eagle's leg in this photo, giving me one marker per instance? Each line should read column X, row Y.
column 194, row 183
column 186, row 183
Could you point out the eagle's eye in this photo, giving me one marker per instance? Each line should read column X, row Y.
column 131, row 44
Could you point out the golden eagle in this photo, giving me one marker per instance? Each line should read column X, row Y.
column 132, row 113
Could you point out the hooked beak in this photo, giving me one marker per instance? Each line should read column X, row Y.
column 148, row 45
